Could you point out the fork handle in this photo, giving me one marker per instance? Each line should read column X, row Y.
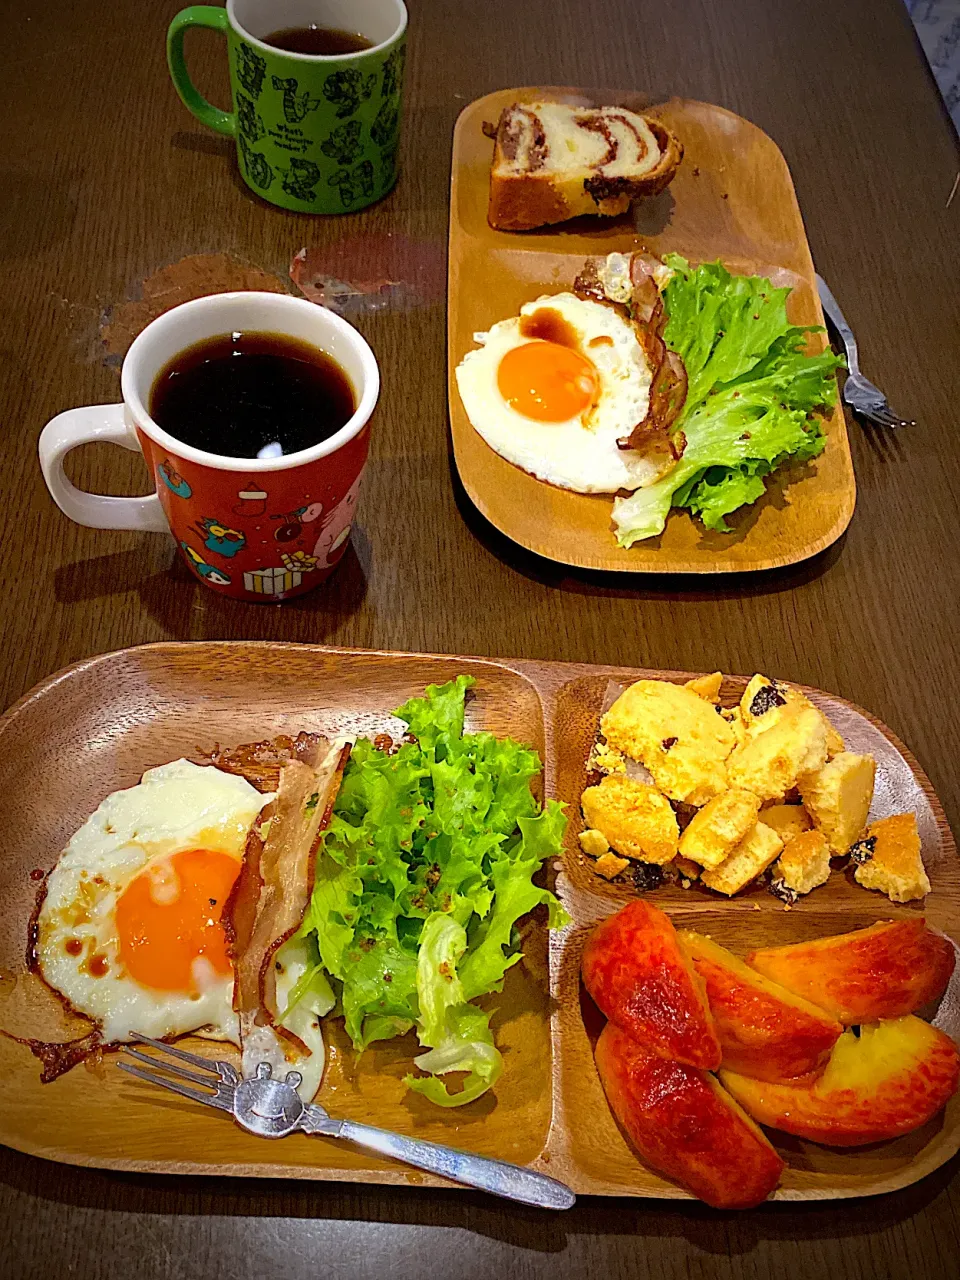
column 496, row 1176
column 832, row 307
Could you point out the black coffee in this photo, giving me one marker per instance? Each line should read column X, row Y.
column 322, row 40
column 252, row 395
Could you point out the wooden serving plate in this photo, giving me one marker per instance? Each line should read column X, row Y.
column 98, row 725
column 732, row 199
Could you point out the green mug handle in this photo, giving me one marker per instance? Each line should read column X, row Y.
column 199, row 15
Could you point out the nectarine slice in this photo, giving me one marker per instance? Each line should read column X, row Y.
column 641, row 980
column 685, row 1125
column 887, row 1081
column 885, row 971
column 765, row 1030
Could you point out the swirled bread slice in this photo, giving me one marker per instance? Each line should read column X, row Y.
column 552, row 162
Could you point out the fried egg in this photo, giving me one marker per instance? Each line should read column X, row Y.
column 129, row 932
column 551, row 391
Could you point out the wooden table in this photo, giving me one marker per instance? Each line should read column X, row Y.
column 106, row 179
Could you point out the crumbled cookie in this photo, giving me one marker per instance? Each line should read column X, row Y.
column 895, row 863
column 838, row 798
column 635, row 818
column 718, row 827
column 751, row 856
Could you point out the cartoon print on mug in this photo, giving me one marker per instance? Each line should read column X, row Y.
column 208, row 572
column 353, row 185
column 393, row 72
column 253, row 499
column 347, row 90
column 335, row 529
column 258, row 167
column 300, row 178
column 251, row 69
column 220, row 538
column 249, row 122
column 298, row 561
column 295, row 106
column 172, row 478
column 292, row 526
column 344, row 144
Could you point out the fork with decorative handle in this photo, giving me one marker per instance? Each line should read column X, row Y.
column 273, row 1109
column 859, row 393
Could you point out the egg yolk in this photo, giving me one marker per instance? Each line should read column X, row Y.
column 168, row 919
column 546, row 381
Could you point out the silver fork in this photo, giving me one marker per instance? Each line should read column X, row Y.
column 273, row 1109
column 858, row 392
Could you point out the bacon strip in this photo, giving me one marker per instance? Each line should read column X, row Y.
column 668, row 385
column 260, row 762
column 273, row 890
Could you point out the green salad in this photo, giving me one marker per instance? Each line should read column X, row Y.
column 751, row 395
column 421, row 878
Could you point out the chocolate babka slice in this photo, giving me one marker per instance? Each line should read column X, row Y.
column 552, row 162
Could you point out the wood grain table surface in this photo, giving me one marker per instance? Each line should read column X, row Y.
column 106, row 179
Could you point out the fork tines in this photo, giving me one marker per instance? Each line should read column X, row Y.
column 214, row 1077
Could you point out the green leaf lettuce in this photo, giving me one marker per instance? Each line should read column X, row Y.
column 751, row 394
column 421, row 878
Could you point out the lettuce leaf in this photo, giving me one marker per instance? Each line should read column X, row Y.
column 514, row 896
column 456, row 1033
column 752, row 389
column 422, row 876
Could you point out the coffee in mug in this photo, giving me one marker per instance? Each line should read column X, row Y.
column 316, row 87
column 255, row 518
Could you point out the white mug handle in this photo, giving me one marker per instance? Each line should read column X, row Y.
column 83, row 426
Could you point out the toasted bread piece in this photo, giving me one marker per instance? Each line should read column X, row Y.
column 678, row 735
column 787, row 820
column 750, row 857
column 635, row 818
column 552, row 162
column 718, row 827
column 889, row 859
column 803, row 865
column 839, row 796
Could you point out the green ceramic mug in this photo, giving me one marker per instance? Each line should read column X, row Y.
column 315, row 133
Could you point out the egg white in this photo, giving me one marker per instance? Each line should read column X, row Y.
column 175, row 807
column 581, row 453
column 300, row 1016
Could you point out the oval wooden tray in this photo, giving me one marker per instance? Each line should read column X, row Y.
column 97, row 725
column 733, row 199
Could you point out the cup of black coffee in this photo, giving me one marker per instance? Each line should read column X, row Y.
column 252, row 411
column 317, row 88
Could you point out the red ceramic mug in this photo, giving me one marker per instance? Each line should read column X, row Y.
column 257, row 529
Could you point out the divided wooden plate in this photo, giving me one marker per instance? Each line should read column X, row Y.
column 98, row 725
column 732, row 199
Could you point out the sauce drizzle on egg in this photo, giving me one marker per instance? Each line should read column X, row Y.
column 550, row 326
